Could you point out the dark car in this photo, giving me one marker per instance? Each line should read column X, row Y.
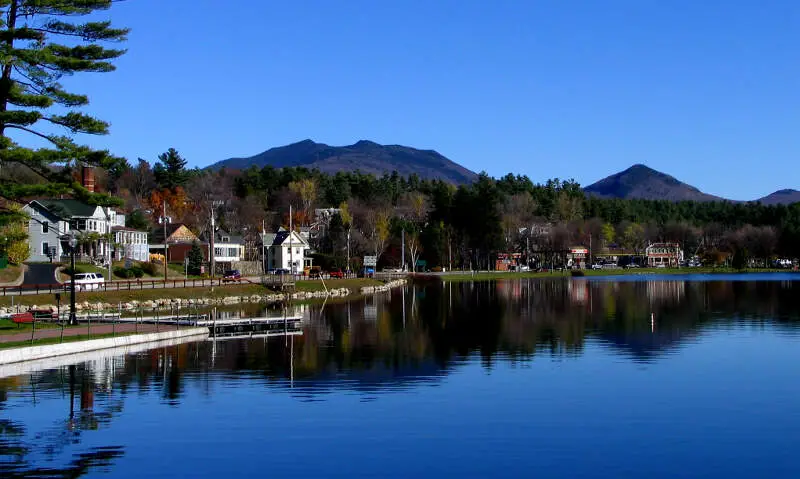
column 232, row 275
column 280, row 271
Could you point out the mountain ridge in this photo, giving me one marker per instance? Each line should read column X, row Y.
column 636, row 182
column 642, row 182
column 364, row 155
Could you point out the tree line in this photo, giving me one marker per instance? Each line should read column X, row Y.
column 440, row 223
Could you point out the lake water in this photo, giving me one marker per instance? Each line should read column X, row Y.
column 564, row 378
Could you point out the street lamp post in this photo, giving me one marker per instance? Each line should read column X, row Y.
column 73, row 242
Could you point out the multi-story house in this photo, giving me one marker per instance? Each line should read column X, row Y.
column 45, row 232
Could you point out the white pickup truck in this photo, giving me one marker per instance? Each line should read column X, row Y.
column 88, row 281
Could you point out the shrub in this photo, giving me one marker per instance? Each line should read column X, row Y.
column 149, row 268
column 136, row 271
column 123, row 272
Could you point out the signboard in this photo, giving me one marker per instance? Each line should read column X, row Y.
column 128, row 263
column 370, row 260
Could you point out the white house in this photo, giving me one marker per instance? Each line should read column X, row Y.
column 130, row 244
column 288, row 252
column 228, row 248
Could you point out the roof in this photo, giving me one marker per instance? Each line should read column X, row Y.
column 282, row 236
column 267, row 238
column 157, row 233
column 232, row 239
column 42, row 209
column 69, row 208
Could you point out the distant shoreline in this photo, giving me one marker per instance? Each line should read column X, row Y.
column 497, row 275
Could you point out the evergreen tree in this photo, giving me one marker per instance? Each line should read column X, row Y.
column 195, row 257
column 34, row 106
column 170, row 170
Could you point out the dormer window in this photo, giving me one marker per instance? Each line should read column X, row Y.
column 226, row 239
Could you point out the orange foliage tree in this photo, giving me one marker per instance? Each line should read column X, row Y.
column 177, row 204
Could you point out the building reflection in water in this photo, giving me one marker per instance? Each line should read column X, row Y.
column 408, row 338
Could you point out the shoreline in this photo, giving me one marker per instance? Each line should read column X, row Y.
column 497, row 275
column 265, row 296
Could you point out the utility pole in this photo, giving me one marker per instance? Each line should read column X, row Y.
column 291, row 250
column 108, row 243
column 211, row 245
column 263, row 247
column 403, row 249
column 348, row 249
column 166, row 246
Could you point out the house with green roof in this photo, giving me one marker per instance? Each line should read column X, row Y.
column 52, row 219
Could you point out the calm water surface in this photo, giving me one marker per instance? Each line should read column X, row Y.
column 564, row 378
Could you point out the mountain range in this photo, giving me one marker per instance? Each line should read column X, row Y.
column 364, row 156
column 638, row 181
column 642, row 182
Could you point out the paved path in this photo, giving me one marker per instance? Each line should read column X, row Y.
column 40, row 273
column 81, row 330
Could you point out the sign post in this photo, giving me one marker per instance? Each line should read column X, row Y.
column 370, row 262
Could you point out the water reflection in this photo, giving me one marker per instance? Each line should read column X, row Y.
column 414, row 337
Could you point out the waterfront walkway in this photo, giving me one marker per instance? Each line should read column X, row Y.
column 93, row 330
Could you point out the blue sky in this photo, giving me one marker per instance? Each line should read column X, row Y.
column 704, row 90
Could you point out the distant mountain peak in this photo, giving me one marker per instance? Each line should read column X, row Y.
column 781, row 197
column 643, row 182
column 364, row 155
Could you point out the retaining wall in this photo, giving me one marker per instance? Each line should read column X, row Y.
column 31, row 353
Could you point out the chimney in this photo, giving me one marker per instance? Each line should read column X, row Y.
column 87, row 178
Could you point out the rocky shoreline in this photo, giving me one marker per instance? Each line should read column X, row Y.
column 222, row 301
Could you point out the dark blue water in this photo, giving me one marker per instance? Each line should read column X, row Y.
column 510, row 379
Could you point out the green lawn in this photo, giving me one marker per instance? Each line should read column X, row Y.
column 354, row 284
column 9, row 327
column 10, row 273
column 67, row 339
column 493, row 275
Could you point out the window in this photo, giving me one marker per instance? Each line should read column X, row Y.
column 45, row 227
column 45, row 248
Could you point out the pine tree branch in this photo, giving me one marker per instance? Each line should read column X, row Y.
column 33, row 132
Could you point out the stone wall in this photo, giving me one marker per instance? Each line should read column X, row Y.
column 247, row 268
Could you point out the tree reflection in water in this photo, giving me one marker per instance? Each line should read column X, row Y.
column 388, row 342
column 22, row 455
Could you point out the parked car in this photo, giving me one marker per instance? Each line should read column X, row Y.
column 232, row 275
column 632, row 265
column 597, row 266
column 280, row 271
column 336, row 273
column 88, row 281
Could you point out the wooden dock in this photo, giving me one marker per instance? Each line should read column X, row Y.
column 281, row 282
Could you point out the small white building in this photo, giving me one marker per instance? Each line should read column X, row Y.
column 227, row 248
column 130, row 244
column 288, row 252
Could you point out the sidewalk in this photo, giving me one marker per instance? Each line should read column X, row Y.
column 96, row 329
